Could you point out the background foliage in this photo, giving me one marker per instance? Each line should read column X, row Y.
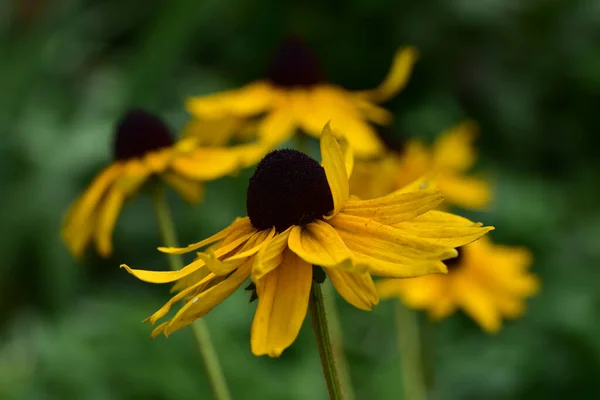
column 528, row 72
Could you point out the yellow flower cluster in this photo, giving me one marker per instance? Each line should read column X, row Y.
column 304, row 216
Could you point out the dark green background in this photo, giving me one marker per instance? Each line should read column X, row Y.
column 527, row 71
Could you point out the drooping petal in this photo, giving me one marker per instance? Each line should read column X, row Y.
column 80, row 213
column 157, row 161
column 453, row 150
column 135, row 173
column 249, row 100
column 241, row 226
column 191, row 191
column 397, row 77
column 207, row 164
column 199, row 305
column 444, row 228
column 283, row 297
column 477, row 303
column 318, row 243
column 465, row 191
column 165, row 276
column 277, row 126
column 250, row 247
column 212, row 132
column 178, row 297
column 107, row 218
column 357, row 289
column 335, row 169
column 270, row 255
column 395, row 207
column 388, row 239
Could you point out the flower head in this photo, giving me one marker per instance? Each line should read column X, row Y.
column 144, row 147
column 300, row 215
column 447, row 162
column 295, row 95
column 489, row 282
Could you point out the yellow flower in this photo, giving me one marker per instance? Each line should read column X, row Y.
column 488, row 281
column 447, row 162
column 295, row 96
column 144, row 148
column 300, row 215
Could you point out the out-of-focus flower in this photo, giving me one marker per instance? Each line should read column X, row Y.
column 300, row 214
column 489, row 282
column 144, row 148
column 446, row 162
column 295, row 95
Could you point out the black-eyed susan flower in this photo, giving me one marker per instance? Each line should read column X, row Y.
column 143, row 148
column 488, row 281
column 447, row 162
column 300, row 214
column 295, row 96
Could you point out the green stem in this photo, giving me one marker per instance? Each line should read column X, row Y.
column 409, row 344
column 337, row 338
column 321, row 329
column 201, row 333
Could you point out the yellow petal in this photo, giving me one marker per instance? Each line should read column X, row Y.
column 198, row 306
column 335, row 169
column 348, row 156
column 165, row 276
column 444, row 228
column 277, row 126
column 477, row 303
column 135, row 173
column 397, row 77
column 212, row 132
column 249, row 100
column 318, row 243
column 178, row 297
column 107, row 217
column 380, row 261
column 241, row 226
column 466, row 192
column 189, row 190
column 396, row 207
column 270, row 255
column 388, row 239
column 205, row 164
column 282, row 304
column 251, row 247
column 157, row 161
column 357, row 289
column 80, row 213
column 454, row 150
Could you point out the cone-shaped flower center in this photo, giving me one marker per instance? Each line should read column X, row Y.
column 294, row 65
column 288, row 188
column 138, row 133
column 456, row 262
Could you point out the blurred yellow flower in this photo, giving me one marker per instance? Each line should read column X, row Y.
column 300, row 214
column 144, row 148
column 446, row 162
column 295, row 96
column 489, row 282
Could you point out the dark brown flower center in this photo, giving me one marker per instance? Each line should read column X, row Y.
column 288, row 188
column 138, row 133
column 293, row 65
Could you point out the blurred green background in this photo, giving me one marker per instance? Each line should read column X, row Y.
column 527, row 71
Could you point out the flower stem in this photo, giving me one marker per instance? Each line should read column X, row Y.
column 337, row 338
column 201, row 333
column 321, row 329
column 409, row 343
